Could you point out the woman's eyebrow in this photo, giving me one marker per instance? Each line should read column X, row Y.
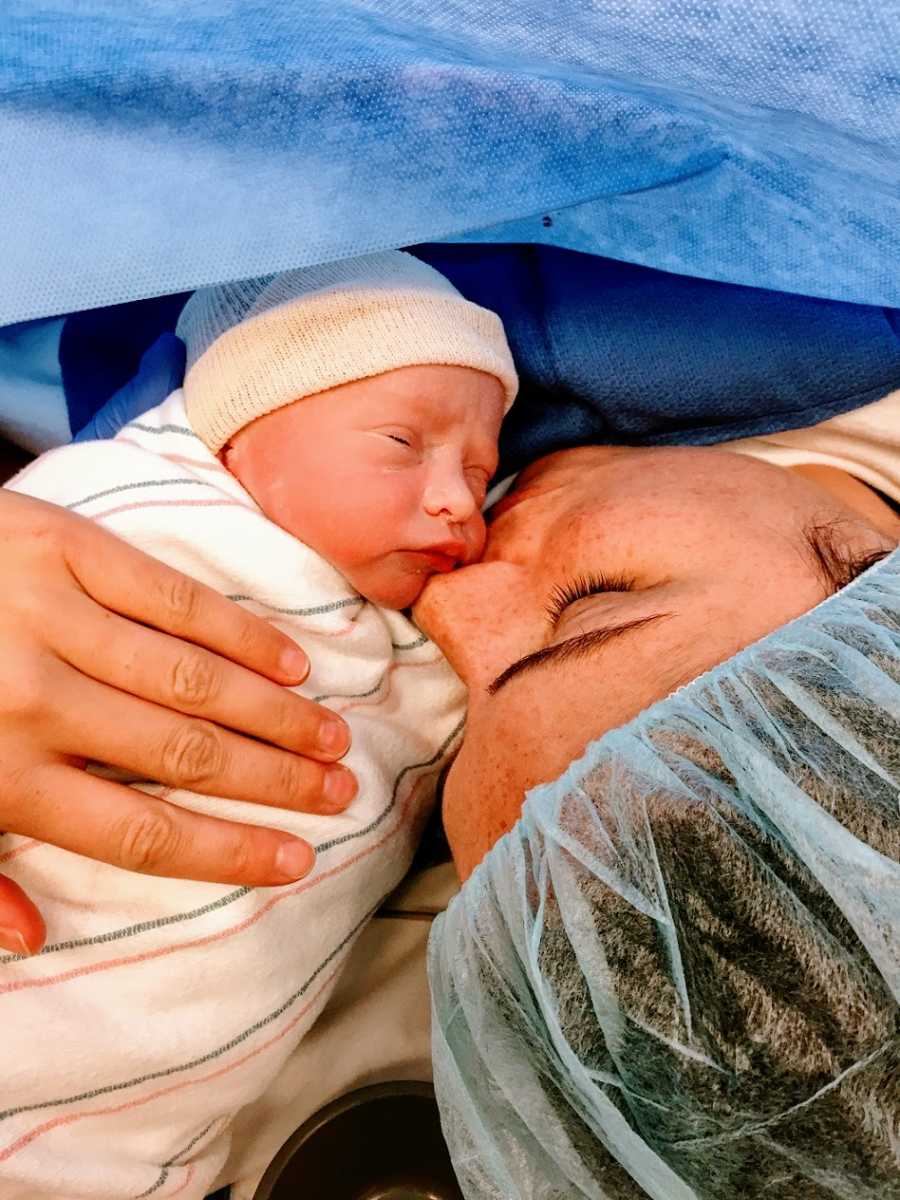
column 580, row 646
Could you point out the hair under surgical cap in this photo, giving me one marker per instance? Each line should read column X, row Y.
column 678, row 975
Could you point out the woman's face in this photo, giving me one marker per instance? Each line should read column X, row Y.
column 683, row 556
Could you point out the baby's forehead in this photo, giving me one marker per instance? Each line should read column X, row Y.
column 437, row 399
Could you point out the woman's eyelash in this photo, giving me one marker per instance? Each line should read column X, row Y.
column 395, row 437
column 581, row 586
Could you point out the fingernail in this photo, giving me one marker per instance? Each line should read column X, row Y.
column 294, row 663
column 340, row 787
column 294, row 859
column 333, row 737
column 12, row 940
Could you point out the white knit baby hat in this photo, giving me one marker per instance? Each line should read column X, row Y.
column 258, row 344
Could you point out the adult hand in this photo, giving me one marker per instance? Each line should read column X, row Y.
column 108, row 655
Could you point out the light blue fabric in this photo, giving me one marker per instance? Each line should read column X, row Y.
column 678, row 975
column 754, row 141
column 33, row 411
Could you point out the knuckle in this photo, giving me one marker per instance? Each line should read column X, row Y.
column 250, row 636
column 194, row 679
column 296, row 780
column 286, row 720
column 50, row 533
column 147, row 843
column 237, row 862
column 21, row 793
column 26, row 695
column 193, row 754
column 180, row 598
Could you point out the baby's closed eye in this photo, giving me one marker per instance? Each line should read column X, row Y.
column 478, row 479
column 397, row 444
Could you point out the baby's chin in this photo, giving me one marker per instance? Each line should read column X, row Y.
column 397, row 593
column 391, row 587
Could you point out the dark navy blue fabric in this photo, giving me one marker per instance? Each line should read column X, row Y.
column 607, row 352
column 161, row 370
column 100, row 351
column 754, row 141
column 615, row 353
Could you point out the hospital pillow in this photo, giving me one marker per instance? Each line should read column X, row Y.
column 678, row 975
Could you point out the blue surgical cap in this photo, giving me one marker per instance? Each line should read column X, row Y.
column 678, row 975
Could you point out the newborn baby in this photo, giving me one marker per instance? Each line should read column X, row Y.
column 330, row 451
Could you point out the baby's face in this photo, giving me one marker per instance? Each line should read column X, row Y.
column 384, row 477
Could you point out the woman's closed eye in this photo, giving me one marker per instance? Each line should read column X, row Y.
column 565, row 596
column 590, row 635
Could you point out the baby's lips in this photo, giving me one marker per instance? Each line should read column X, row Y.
column 441, row 564
column 447, row 556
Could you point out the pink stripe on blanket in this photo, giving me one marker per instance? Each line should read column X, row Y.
column 341, row 631
column 380, row 696
column 23, row 848
column 194, row 943
column 182, row 459
column 189, row 1175
column 39, row 1130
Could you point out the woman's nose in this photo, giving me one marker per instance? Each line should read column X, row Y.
column 477, row 615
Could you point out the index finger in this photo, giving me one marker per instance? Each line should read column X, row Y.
column 133, row 584
column 141, row 832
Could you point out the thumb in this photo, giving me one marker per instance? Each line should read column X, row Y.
column 22, row 928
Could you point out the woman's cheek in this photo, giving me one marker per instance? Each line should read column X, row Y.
column 475, row 536
column 481, row 803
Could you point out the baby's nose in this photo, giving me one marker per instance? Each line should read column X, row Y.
column 448, row 494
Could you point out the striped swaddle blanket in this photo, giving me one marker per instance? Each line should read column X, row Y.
column 160, row 1008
